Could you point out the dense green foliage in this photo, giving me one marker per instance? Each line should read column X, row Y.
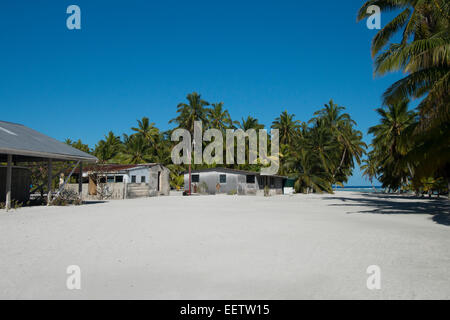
column 410, row 148
column 317, row 153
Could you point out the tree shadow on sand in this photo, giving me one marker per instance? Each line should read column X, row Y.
column 439, row 209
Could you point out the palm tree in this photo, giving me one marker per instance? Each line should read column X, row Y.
column 405, row 22
column 391, row 143
column 309, row 175
column 136, row 150
column 249, row 123
column 107, row 149
column 370, row 169
column 193, row 111
column 176, row 175
column 341, row 128
column 148, row 131
column 423, row 54
column 395, row 120
column 218, row 117
column 321, row 142
column 78, row 145
column 287, row 126
column 331, row 114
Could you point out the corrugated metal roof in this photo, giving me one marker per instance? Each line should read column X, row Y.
column 113, row 168
column 22, row 141
column 228, row 170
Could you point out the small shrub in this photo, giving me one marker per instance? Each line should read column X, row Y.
column 266, row 191
column 14, row 205
column 232, row 192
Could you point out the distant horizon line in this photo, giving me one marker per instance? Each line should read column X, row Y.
column 369, row 186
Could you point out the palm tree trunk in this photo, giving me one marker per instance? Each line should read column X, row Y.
column 373, row 187
column 339, row 167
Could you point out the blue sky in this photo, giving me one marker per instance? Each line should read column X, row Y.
column 140, row 58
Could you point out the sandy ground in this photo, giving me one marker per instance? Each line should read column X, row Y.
column 229, row 247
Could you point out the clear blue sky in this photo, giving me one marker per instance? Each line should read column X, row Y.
column 140, row 58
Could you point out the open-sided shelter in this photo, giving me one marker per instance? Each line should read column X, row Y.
column 19, row 144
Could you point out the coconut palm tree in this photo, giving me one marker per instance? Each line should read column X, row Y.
column 289, row 128
column 340, row 126
column 78, row 145
column 218, row 117
column 332, row 114
column 249, row 123
column 395, row 120
column 308, row 173
column 405, row 21
column 190, row 112
column 136, row 150
column 391, row 143
column 148, row 131
column 108, row 148
column 370, row 169
column 423, row 53
column 321, row 142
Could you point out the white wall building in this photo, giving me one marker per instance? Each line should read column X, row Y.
column 118, row 181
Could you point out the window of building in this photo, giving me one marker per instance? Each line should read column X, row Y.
column 119, row 179
column 110, row 179
column 250, row 179
column 223, row 178
column 133, row 179
column 102, row 179
column 143, row 179
column 195, row 178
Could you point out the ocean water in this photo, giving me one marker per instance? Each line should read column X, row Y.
column 360, row 188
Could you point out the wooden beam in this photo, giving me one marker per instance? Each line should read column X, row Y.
column 8, row 182
column 49, row 182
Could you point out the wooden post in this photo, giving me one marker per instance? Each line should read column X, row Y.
column 49, row 182
column 8, row 182
column 80, row 182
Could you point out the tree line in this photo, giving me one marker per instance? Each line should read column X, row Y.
column 318, row 154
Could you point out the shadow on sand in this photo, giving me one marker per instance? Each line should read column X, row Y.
column 85, row 202
column 439, row 209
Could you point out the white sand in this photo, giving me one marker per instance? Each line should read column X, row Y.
column 228, row 247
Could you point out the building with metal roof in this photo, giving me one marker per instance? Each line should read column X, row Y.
column 19, row 143
column 232, row 181
column 26, row 144
column 123, row 181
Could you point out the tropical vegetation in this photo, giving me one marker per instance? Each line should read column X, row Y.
column 316, row 154
column 411, row 147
